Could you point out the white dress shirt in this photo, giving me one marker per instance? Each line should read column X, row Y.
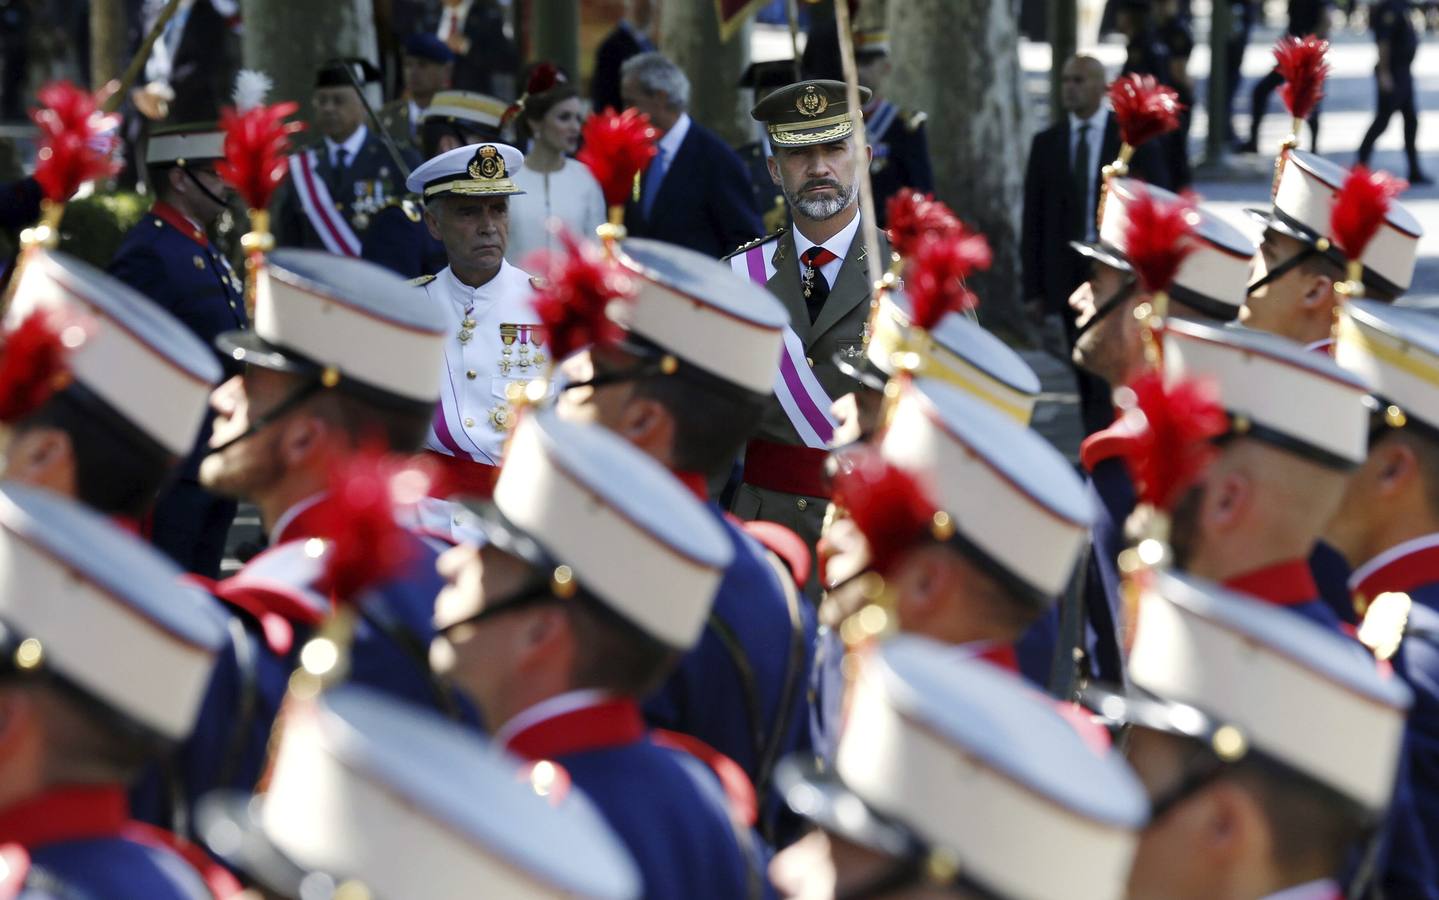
column 351, row 145
column 1096, row 147
column 838, row 245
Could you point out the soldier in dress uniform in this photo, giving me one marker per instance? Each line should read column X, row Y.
column 398, row 238
column 168, row 257
column 762, row 78
column 742, row 689
column 1298, row 265
column 428, row 66
column 128, row 397
column 818, row 270
column 557, row 632
column 494, row 345
column 897, row 136
column 1012, row 514
column 1269, row 745
column 105, row 660
column 955, row 780
column 381, row 799
column 281, row 429
column 1387, row 529
column 338, row 184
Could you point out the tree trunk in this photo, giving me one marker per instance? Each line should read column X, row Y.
column 107, row 41
column 288, row 39
column 689, row 35
column 556, row 34
column 958, row 60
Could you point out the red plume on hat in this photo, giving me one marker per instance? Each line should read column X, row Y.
column 617, row 147
column 543, row 77
column 1301, row 63
column 257, row 141
column 1167, row 436
column 358, row 517
column 890, row 506
column 1157, row 238
column 935, row 276
column 913, row 217
column 578, row 286
column 33, row 364
column 75, row 140
column 1143, row 108
column 1360, row 209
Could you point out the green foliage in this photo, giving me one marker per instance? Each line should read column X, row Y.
column 94, row 226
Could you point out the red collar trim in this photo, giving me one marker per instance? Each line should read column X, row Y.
column 1283, row 584
column 697, row 483
column 611, row 723
column 176, row 220
column 1000, row 654
column 126, row 523
column 1403, row 575
column 305, row 524
column 1105, row 444
column 72, row 813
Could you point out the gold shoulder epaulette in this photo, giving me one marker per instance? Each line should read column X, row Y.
column 757, row 242
column 912, row 120
column 421, row 281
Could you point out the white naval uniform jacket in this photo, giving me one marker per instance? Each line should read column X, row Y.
column 506, row 347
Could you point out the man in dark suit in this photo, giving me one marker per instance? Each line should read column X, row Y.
column 342, row 181
column 1060, row 206
column 192, row 65
column 486, row 59
column 630, row 37
column 695, row 192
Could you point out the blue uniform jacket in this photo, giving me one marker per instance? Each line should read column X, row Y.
column 667, row 806
column 742, row 690
column 402, row 245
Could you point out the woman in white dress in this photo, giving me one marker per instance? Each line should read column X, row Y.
column 556, row 186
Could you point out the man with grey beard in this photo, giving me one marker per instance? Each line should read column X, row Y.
column 817, row 269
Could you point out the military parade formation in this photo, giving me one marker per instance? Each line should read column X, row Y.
column 677, row 555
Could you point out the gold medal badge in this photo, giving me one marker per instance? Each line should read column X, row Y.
column 811, row 102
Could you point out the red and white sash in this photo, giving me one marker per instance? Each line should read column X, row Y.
column 333, row 229
column 800, row 394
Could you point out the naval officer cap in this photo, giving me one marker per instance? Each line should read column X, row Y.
column 103, row 615
column 608, row 522
column 129, row 361
column 1274, row 390
column 718, row 326
column 379, row 794
column 1212, row 279
column 957, row 351
column 467, row 111
column 808, row 112
column 1016, row 505
column 349, row 324
column 1395, row 349
column 957, row 766
column 1308, row 187
column 182, row 145
column 1253, row 681
column 477, row 170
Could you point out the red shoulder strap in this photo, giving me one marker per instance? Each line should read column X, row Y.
column 217, row 878
column 736, row 784
column 785, row 544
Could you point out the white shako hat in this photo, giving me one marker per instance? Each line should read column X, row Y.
column 1256, row 678
column 610, row 521
column 478, row 170
column 964, row 768
column 1308, row 186
column 136, row 364
column 956, row 351
column 1016, row 504
column 1274, row 390
column 366, row 789
column 1396, row 350
column 467, row 107
column 85, row 602
column 183, row 144
column 356, row 326
column 1213, row 279
column 698, row 310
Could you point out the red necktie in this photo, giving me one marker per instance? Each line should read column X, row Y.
column 816, row 287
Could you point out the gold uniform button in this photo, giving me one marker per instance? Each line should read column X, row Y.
column 809, row 360
column 199, row 263
column 469, row 423
column 472, row 374
column 802, row 504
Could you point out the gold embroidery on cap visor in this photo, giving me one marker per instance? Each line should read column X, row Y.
column 821, row 131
